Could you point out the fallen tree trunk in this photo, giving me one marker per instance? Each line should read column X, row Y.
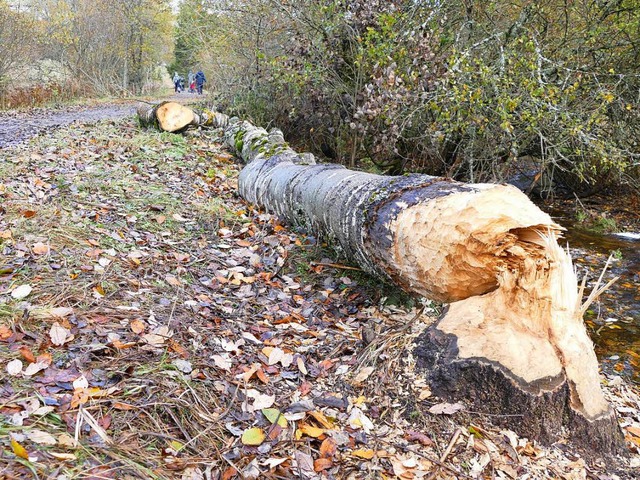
column 175, row 117
column 512, row 340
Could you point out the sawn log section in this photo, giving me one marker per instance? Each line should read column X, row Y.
column 512, row 340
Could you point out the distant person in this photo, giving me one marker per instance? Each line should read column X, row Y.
column 176, row 82
column 191, row 78
column 200, row 81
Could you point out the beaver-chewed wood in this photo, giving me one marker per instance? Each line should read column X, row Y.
column 512, row 340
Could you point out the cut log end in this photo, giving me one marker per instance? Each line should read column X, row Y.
column 173, row 117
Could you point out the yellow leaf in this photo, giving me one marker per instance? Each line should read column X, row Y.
column 19, row 450
column 274, row 415
column 310, row 431
column 176, row 445
column 253, row 436
column 364, row 453
column 321, row 419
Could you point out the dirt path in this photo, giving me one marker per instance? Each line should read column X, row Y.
column 16, row 127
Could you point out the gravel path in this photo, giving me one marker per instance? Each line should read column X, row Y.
column 16, row 127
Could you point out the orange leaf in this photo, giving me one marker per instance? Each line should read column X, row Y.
column 328, row 447
column 40, row 248
column 322, row 464
column 321, row 419
column 179, row 349
column 364, row 453
column 122, row 406
column 27, row 354
column 19, row 450
column 229, row 473
column 635, row 431
column 262, row 376
column 137, row 326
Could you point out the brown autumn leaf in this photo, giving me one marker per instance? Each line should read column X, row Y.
column 27, row 354
column 137, row 326
column 321, row 464
column 413, row 436
column 28, row 213
column 40, row 248
column 328, row 447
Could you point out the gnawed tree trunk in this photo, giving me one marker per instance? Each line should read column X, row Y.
column 512, row 340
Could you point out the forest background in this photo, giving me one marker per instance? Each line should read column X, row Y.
column 547, row 92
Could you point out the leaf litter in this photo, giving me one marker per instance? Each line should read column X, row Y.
column 153, row 325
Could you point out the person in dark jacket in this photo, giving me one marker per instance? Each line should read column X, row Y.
column 200, row 81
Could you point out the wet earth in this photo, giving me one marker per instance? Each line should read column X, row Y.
column 16, row 127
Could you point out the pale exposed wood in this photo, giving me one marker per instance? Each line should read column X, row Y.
column 173, row 116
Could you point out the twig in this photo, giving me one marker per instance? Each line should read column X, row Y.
column 335, row 265
column 444, row 456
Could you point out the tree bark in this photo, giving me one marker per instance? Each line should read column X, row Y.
column 512, row 341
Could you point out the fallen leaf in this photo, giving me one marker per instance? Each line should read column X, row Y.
column 301, row 366
column 62, row 456
column 363, row 374
column 310, row 431
column 40, row 248
column 321, row 464
column 14, row 367
column 260, row 401
column 27, row 354
column 446, row 408
column 59, row 335
column 21, row 292
column 158, row 336
column 19, row 450
column 253, row 436
column 328, row 447
column 80, row 383
column 183, row 365
column 357, row 419
column 34, row 368
column 364, row 453
column 66, row 440
column 137, row 326
column 41, row 438
column 413, row 436
column 274, row 415
column 222, row 362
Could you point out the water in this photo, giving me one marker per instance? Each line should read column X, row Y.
column 614, row 321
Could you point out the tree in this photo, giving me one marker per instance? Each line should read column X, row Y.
column 474, row 90
column 17, row 31
column 112, row 46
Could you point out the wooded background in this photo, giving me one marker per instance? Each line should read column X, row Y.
column 479, row 91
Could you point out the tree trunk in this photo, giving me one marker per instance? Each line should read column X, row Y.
column 175, row 117
column 512, row 340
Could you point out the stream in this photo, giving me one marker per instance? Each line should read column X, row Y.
column 613, row 321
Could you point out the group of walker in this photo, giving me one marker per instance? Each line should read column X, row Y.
column 196, row 82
